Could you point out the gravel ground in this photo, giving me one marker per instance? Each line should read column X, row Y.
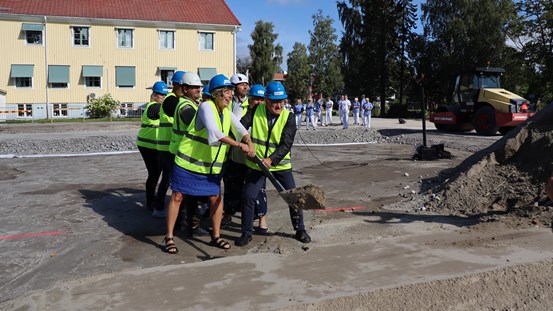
column 123, row 138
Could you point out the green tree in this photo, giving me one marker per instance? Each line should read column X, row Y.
column 466, row 33
column 536, row 33
column 101, row 107
column 370, row 46
column 324, row 57
column 406, row 36
column 298, row 72
column 265, row 55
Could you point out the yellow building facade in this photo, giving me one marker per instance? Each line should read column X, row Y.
column 59, row 62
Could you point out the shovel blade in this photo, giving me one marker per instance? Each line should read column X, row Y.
column 306, row 197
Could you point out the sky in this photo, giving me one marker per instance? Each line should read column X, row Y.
column 292, row 20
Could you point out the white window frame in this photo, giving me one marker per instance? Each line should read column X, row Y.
column 25, row 115
column 73, row 37
column 86, row 86
column 61, row 111
column 161, row 47
column 117, row 34
column 34, row 44
column 124, row 109
column 201, row 41
column 23, row 87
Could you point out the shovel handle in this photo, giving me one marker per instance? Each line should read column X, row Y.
column 268, row 173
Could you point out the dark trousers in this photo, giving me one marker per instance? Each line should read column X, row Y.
column 151, row 159
column 167, row 160
column 234, row 176
column 189, row 211
column 252, row 186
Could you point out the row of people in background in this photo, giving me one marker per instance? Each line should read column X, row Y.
column 363, row 108
column 194, row 140
column 360, row 110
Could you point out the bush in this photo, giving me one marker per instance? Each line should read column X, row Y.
column 101, row 107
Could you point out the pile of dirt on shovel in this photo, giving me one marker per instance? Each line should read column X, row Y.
column 507, row 178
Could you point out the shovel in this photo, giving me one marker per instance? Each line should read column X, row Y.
column 306, row 197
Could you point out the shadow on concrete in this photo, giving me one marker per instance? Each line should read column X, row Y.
column 402, row 218
column 121, row 209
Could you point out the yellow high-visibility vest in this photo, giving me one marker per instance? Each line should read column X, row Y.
column 195, row 154
column 265, row 143
column 147, row 135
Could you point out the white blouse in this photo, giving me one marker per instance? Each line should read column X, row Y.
column 206, row 118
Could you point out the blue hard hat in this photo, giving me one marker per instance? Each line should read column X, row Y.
column 257, row 90
column 275, row 90
column 205, row 90
column 219, row 81
column 160, row 87
column 178, row 77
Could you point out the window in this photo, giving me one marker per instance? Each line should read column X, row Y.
column 93, row 82
column 206, row 41
column 25, row 110
column 167, row 75
column 58, row 76
column 24, row 82
column 206, row 74
column 33, row 37
column 80, row 36
column 125, row 76
column 126, row 109
column 124, row 38
column 166, row 40
column 93, row 76
column 22, row 75
column 33, row 33
column 60, row 110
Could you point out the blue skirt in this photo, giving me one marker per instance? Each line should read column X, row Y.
column 187, row 182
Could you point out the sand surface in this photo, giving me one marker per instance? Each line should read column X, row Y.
column 75, row 235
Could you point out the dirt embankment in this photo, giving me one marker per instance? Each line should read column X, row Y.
column 507, row 178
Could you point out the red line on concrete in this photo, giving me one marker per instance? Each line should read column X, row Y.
column 333, row 209
column 9, row 237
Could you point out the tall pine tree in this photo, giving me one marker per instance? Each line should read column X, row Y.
column 266, row 57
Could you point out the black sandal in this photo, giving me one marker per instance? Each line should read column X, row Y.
column 170, row 245
column 220, row 243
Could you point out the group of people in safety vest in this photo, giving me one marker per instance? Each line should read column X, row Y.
column 196, row 136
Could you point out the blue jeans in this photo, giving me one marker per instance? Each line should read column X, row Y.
column 255, row 180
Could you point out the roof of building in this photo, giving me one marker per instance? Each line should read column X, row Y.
column 182, row 11
column 279, row 76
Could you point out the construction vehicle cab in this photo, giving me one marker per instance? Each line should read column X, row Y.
column 481, row 104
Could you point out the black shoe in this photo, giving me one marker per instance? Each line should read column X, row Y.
column 227, row 219
column 302, row 236
column 243, row 240
column 198, row 231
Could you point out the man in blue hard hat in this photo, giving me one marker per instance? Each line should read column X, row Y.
column 273, row 129
column 235, row 171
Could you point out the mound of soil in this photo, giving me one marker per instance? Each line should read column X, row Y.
column 507, row 177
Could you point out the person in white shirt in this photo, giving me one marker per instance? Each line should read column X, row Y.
column 328, row 108
column 346, row 105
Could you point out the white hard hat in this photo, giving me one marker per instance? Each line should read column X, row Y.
column 238, row 78
column 191, row 79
